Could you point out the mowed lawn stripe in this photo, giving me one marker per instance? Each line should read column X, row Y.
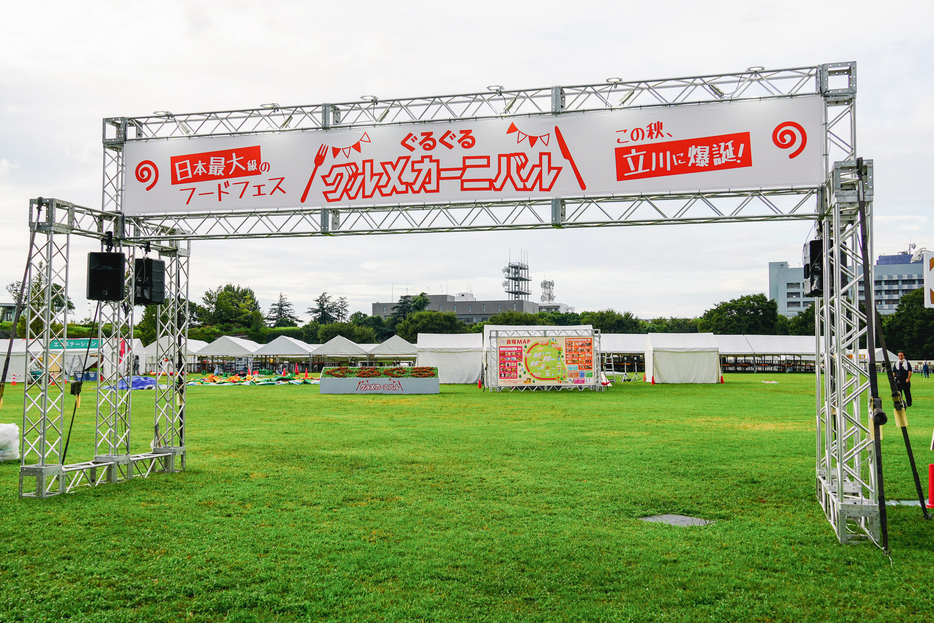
column 470, row 506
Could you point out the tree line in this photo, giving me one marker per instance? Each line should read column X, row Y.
column 234, row 310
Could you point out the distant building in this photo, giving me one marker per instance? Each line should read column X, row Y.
column 466, row 306
column 7, row 310
column 786, row 287
column 894, row 276
column 555, row 307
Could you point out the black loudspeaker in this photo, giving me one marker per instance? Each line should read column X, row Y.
column 814, row 268
column 106, row 276
column 149, row 282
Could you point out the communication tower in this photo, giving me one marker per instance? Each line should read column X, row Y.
column 517, row 278
column 548, row 291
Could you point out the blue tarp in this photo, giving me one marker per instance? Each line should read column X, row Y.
column 139, row 382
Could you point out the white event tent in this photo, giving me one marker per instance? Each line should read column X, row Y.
column 17, row 369
column 285, row 346
column 148, row 361
column 623, row 343
column 227, row 348
column 339, row 347
column 394, row 348
column 682, row 358
column 458, row 356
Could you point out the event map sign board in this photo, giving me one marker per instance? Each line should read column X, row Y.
column 540, row 361
column 712, row 147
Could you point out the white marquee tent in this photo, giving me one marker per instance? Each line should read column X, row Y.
column 734, row 345
column 623, row 343
column 339, row 347
column 394, row 348
column 227, row 347
column 682, row 358
column 148, row 361
column 285, row 346
column 458, row 356
column 802, row 345
column 17, row 369
column 71, row 360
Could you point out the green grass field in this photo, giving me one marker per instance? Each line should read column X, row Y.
column 471, row 506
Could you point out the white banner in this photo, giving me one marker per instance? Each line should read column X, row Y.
column 746, row 145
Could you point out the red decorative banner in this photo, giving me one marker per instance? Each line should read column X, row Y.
column 695, row 155
column 216, row 165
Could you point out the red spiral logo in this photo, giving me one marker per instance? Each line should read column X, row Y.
column 147, row 170
column 790, row 135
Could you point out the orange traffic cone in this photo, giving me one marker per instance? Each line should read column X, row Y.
column 721, row 378
column 653, row 380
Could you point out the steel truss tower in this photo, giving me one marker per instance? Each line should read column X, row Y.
column 43, row 468
column 517, row 279
column 845, row 485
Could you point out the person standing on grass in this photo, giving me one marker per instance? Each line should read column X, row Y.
column 902, row 371
column 926, row 369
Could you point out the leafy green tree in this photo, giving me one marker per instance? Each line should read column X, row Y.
column 272, row 333
column 515, row 318
column 559, row 319
column 231, row 305
column 325, row 311
column 353, row 332
column 379, row 326
column 282, row 313
column 146, row 328
column 429, row 322
column 36, row 296
column 911, row 327
column 611, row 321
column 658, row 325
column 205, row 333
column 341, row 308
column 752, row 314
column 802, row 323
column 310, row 332
column 408, row 305
column 682, row 325
column 13, row 289
column 257, row 330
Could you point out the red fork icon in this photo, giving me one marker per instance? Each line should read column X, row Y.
column 319, row 160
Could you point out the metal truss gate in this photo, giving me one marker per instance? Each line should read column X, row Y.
column 845, row 484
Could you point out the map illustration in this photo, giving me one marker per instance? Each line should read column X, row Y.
column 541, row 360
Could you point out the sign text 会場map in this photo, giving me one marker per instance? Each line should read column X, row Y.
column 539, row 360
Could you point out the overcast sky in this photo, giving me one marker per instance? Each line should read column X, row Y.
column 66, row 65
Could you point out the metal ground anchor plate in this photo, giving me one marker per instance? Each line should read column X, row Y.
column 678, row 520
